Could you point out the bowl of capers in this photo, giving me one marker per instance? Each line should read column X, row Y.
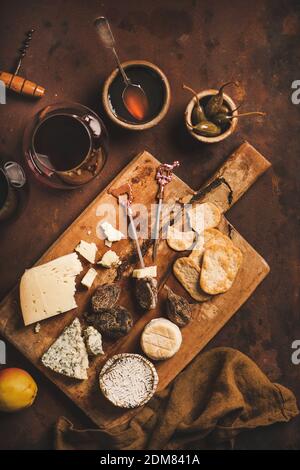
column 212, row 116
column 209, row 116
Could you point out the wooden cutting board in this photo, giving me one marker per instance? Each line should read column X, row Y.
column 240, row 171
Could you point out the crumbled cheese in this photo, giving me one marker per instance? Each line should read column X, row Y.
column 150, row 271
column 68, row 355
column 89, row 278
column 37, row 327
column 111, row 233
column 109, row 259
column 108, row 243
column 93, row 341
column 49, row 289
column 87, row 250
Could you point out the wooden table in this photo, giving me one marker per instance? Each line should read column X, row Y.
column 202, row 43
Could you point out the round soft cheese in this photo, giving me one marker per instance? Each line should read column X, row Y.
column 128, row 380
column 161, row 339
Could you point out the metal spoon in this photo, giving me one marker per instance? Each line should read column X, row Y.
column 133, row 96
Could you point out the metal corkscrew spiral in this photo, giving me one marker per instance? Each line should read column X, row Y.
column 23, row 49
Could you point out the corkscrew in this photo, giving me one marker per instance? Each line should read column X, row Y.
column 19, row 84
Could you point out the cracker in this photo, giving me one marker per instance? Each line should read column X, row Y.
column 188, row 273
column 204, row 216
column 211, row 235
column 221, row 262
column 178, row 240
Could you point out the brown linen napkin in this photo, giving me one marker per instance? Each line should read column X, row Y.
column 221, row 393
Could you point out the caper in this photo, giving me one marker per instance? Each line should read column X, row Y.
column 207, row 129
column 198, row 112
column 224, row 109
column 221, row 119
column 215, row 103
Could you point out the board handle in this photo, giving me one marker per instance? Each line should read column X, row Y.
column 233, row 178
column 21, row 86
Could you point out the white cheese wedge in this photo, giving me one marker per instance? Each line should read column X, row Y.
column 93, row 341
column 161, row 339
column 111, row 233
column 89, row 278
column 87, row 250
column 68, row 354
column 150, row 271
column 49, row 289
column 109, row 259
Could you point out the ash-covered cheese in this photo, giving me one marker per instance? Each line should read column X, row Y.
column 49, row 289
column 68, row 354
column 109, row 259
column 87, row 250
column 93, row 341
column 150, row 271
column 89, row 278
column 128, row 380
column 111, row 233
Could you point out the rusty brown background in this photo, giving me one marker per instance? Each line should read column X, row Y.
column 202, row 43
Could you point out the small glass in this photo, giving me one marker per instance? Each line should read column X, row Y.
column 65, row 145
column 12, row 177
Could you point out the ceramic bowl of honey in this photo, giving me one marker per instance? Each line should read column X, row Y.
column 132, row 115
column 203, row 98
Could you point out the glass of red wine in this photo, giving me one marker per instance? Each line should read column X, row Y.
column 65, row 145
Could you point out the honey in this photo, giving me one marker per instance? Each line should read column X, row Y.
column 141, row 111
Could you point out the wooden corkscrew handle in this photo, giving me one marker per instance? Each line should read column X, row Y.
column 21, row 85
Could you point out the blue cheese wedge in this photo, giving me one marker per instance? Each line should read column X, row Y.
column 49, row 289
column 109, row 259
column 89, row 277
column 87, row 250
column 68, row 355
column 111, row 233
column 93, row 341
